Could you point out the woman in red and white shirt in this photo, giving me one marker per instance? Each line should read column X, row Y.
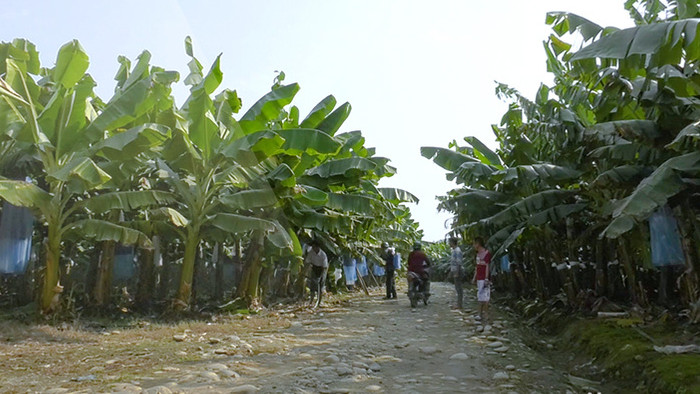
column 481, row 278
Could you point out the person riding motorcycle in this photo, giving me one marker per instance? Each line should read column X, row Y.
column 419, row 264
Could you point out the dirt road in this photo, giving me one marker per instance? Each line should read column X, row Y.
column 376, row 345
column 365, row 344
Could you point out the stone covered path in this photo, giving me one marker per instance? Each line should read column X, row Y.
column 376, row 345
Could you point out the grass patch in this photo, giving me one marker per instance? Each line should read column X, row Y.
column 626, row 351
column 678, row 373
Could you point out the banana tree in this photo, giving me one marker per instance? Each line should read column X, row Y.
column 330, row 195
column 71, row 132
column 612, row 141
column 221, row 168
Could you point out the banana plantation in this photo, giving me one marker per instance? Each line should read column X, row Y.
column 135, row 200
column 119, row 213
column 593, row 193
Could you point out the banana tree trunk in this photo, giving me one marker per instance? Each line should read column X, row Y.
column 570, row 239
column 251, row 290
column 688, row 230
column 663, row 285
column 218, row 260
column 540, row 273
column 51, row 290
column 237, row 269
column 184, row 292
column 248, row 287
column 298, row 277
column 164, row 273
column 284, row 286
column 147, row 276
column 103, row 286
column 197, row 274
column 630, row 270
column 265, row 283
column 601, row 269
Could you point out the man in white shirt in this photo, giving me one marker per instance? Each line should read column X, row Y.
column 456, row 270
column 318, row 261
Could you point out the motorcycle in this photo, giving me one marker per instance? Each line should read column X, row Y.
column 417, row 289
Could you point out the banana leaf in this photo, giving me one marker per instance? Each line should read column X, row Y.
column 564, row 22
column 82, row 172
column 66, row 114
column 267, row 108
column 282, row 239
column 71, row 64
column 237, row 224
column 170, row 215
column 545, row 172
column 504, row 239
column 555, row 214
column 397, row 196
column 203, row 129
column 624, row 131
column 646, row 40
column 323, row 221
column 474, row 172
column 527, row 207
column 621, row 175
column 180, row 152
column 24, row 194
column 483, row 153
column 102, row 230
column 369, row 186
column 130, row 143
column 351, row 203
column 318, row 113
column 122, row 109
column 653, row 192
column 445, row 158
column 345, row 167
column 312, row 196
column 253, row 148
column 284, row 175
column 332, row 122
column 382, row 168
column 301, row 140
column 139, row 71
column 687, row 139
column 128, row 200
column 628, row 152
column 352, row 140
column 249, row 199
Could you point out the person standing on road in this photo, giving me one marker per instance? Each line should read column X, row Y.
column 388, row 254
column 318, row 261
column 482, row 276
column 456, row 270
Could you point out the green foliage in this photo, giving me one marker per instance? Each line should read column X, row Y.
column 439, row 255
column 581, row 167
column 136, row 166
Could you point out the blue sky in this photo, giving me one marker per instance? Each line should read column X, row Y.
column 417, row 73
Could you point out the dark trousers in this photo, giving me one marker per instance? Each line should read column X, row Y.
column 316, row 282
column 457, row 276
column 390, row 288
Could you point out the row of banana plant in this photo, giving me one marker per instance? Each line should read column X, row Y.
column 581, row 167
column 137, row 166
